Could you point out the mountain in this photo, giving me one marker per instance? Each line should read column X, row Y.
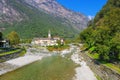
column 33, row 18
column 53, row 7
column 8, row 13
column 103, row 35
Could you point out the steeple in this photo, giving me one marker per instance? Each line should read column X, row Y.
column 49, row 34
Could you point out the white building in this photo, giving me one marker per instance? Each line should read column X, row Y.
column 46, row 41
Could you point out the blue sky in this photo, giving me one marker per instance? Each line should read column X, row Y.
column 87, row 7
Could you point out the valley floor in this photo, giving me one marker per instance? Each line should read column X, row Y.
column 83, row 72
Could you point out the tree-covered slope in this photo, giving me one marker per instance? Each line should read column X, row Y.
column 110, row 5
column 33, row 23
column 103, row 36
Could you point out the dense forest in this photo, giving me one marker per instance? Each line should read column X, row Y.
column 103, row 34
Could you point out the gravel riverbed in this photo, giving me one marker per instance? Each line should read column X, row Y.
column 82, row 73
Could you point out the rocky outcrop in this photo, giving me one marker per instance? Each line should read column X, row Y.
column 8, row 13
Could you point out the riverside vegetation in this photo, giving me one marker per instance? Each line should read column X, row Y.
column 58, row 47
column 13, row 48
column 102, row 37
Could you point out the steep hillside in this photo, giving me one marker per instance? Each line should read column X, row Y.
column 53, row 7
column 7, row 13
column 103, row 36
column 31, row 21
column 111, row 5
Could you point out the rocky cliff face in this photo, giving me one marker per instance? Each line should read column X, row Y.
column 8, row 13
column 53, row 7
column 25, row 15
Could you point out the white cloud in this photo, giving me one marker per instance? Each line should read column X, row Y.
column 90, row 17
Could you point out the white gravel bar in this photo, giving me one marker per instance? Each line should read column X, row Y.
column 17, row 63
column 83, row 72
column 21, row 61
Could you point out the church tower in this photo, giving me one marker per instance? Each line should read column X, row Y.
column 49, row 34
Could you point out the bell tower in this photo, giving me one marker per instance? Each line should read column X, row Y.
column 49, row 34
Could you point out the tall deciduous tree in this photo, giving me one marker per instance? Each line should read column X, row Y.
column 14, row 38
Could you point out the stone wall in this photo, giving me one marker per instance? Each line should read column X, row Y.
column 10, row 56
column 102, row 71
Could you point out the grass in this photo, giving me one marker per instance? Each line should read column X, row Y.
column 20, row 51
column 23, row 52
column 98, row 77
column 109, row 65
column 113, row 67
column 10, row 52
column 94, row 56
column 50, row 68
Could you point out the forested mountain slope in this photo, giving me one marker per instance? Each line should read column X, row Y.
column 103, row 35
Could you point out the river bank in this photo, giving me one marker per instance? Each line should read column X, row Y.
column 82, row 72
column 19, row 62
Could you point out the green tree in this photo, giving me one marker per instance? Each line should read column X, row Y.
column 14, row 38
column 86, row 36
column 115, row 47
column 103, row 51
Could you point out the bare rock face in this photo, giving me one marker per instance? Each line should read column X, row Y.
column 7, row 13
column 53, row 7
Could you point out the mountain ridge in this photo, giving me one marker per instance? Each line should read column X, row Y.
column 19, row 13
column 53, row 7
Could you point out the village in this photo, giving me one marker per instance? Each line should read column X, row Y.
column 49, row 41
column 44, row 42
